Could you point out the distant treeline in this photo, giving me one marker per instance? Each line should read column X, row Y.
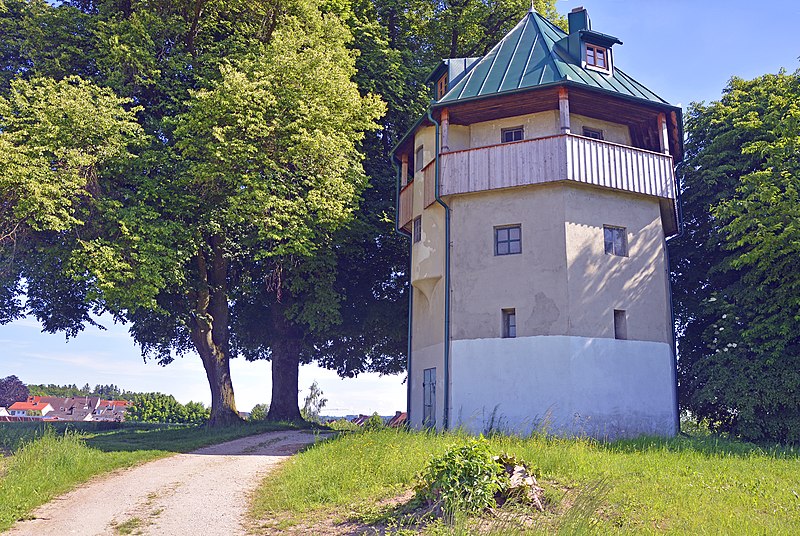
column 110, row 392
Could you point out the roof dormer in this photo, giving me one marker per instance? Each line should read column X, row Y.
column 448, row 73
column 590, row 48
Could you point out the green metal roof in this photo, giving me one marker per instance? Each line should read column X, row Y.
column 533, row 54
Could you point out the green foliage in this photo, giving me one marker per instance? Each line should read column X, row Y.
column 56, row 139
column 735, row 269
column 12, row 390
column 160, row 408
column 259, row 412
column 110, row 392
column 240, row 157
column 313, row 403
column 343, row 425
column 671, row 486
column 375, row 422
column 463, row 479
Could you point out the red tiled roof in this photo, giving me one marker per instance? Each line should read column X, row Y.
column 36, row 405
column 398, row 420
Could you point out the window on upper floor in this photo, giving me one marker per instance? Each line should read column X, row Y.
column 508, row 240
column 597, row 56
column 417, row 229
column 441, row 87
column 595, row 133
column 615, row 240
column 512, row 134
column 418, row 157
column 509, row 323
column 620, row 324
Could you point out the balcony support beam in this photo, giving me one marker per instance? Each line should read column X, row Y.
column 445, row 123
column 563, row 109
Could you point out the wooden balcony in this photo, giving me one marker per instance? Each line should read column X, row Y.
column 558, row 158
column 406, row 207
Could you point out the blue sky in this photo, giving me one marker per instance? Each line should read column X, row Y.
column 683, row 50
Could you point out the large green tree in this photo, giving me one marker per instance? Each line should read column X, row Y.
column 735, row 268
column 242, row 159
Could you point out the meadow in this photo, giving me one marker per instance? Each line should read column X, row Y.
column 44, row 461
column 685, row 485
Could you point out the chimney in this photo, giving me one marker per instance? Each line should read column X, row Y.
column 578, row 20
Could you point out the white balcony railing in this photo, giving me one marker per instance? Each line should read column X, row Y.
column 557, row 158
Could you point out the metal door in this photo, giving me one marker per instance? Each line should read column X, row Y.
column 429, row 398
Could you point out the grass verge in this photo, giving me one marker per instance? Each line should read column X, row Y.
column 50, row 460
column 657, row 486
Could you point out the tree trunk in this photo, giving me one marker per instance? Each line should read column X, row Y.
column 285, row 367
column 218, row 372
column 210, row 334
column 285, row 381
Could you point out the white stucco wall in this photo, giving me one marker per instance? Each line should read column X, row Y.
column 604, row 388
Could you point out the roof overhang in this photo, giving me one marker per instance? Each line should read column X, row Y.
column 598, row 38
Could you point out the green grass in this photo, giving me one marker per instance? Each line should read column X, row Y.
column 701, row 485
column 49, row 460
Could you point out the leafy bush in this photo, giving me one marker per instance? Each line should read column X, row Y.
column 161, row 408
column 343, row 425
column 463, row 479
column 259, row 412
column 375, row 422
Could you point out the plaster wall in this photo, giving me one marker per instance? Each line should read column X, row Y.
column 600, row 387
column 423, row 358
column 427, row 255
column 598, row 283
column 458, row 137
column 425, row 137
column 535, row 125
column 533, row 282
column 613, row 132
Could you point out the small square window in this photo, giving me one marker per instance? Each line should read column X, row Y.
column 616, row 240
column 509, row 323
column 593, row 133
column 620, row 324
column 418, row 158
column 596, row 56
column 512, row 134
column 417, row 229
column 508, row 240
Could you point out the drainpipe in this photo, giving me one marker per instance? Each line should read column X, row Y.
column 679, row 216
column 400, row 231
column 446, row 417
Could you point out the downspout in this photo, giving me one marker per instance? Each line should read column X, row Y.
column 406, row 234
column 679, row 216
column 446, row 416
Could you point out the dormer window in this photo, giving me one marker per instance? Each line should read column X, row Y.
column 596, row 56
column 441, row 87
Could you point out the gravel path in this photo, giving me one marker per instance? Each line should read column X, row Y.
column 203, row 493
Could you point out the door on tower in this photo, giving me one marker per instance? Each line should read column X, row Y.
column 429, row 398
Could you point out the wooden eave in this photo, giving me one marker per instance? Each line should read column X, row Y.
column 639, row 115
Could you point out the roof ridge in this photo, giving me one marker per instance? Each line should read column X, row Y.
column 550, row 49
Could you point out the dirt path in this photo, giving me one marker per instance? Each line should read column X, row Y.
column 203, row 493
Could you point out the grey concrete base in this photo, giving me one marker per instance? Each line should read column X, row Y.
column 572, row 386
